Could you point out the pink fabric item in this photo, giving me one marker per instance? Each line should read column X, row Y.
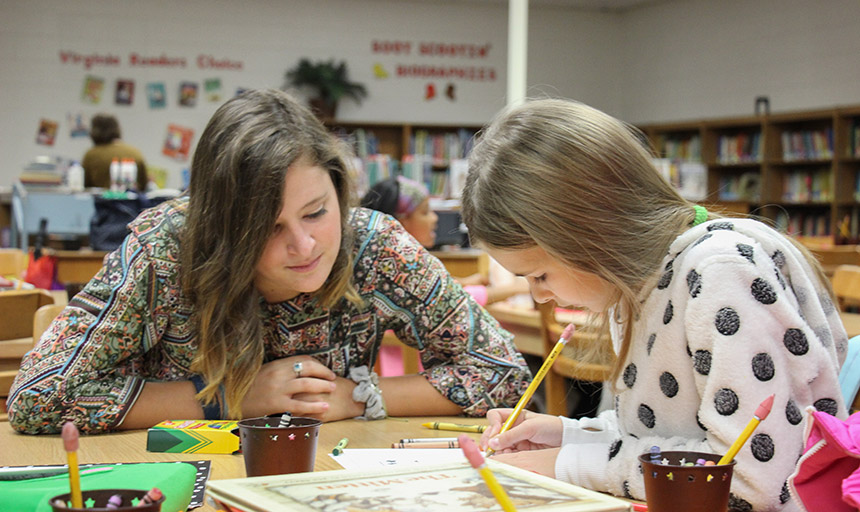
column 390, row 361
column 827, row 476
column 478, row 292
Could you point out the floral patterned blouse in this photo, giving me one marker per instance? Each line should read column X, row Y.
column 132, row 323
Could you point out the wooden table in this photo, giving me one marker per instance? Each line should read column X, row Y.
column 130, row 446
column 524, row 324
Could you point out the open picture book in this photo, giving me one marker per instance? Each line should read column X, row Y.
column 446, row 487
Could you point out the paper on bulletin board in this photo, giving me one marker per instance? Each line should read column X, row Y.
column 377, row 458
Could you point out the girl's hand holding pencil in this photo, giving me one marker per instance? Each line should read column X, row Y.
column 530, row 431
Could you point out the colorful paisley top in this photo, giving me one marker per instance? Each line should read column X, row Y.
column 132, row 323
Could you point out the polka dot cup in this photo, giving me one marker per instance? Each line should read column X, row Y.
column 97, row 500
column 672, row 486
column 272, row 450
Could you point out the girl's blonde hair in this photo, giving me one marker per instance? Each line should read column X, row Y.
column 581, row 185
column 235, row 192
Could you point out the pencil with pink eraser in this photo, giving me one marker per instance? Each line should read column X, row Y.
column 70, row 443
column 473, row 454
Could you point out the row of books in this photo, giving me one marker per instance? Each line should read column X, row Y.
column 363, row 142
column 684, row 149
column 807, row 144
column 739, row 148
column 442, row 147
column 803, row 223
column 854, row 138
column 807, row 186
column 743, row 187
column 443, row 183
column 689, row 178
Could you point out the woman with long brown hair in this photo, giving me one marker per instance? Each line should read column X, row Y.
column 262, row 291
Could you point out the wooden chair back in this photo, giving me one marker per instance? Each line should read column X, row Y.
column 846, row 285
column 565, row 365
column 831, row 257
column 13, row 262
column 17, row 313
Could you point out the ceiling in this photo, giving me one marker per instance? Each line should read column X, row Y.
column 597, row 5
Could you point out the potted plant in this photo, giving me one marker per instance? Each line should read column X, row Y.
column 329, row 83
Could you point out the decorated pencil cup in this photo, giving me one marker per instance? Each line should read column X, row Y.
column 111, row 500
column 272, row 449
column 674, row 482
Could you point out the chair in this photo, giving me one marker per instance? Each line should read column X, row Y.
column 831, row 257
column 849, row 375
column 566, row 366
column 13, row 262
column 17, row 313
column 846, row 285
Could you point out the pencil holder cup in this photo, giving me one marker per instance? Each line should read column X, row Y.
column 272, row 450
column 97, row 501
column 676, row 486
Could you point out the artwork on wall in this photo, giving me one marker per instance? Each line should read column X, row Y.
column 77, row 125
column 93, row 88
column 156, row 94
column 124, row 92
column 188, row 94
column 177, row 143
column 212, row 86
column 47, row 132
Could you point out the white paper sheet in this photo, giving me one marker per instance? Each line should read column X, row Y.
column 376, row 458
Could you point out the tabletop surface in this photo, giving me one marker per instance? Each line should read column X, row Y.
column 130, row 446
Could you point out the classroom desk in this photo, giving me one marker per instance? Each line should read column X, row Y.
column 130, row 446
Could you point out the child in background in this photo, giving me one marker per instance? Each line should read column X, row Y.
column 707, row 315
column 262, row 291
column 409, row 202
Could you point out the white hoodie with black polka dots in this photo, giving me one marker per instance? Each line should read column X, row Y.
column 735, row 315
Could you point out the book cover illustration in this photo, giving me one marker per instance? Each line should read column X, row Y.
column 188, row 94
column 177, row 143
column 93, row 88
column 212, row 86
column 446, row 487
column 156, row 94
column 124, row 92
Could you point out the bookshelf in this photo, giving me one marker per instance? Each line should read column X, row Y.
column 800, row 170
column 419, row 151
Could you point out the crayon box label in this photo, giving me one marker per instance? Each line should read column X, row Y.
column 193, row 436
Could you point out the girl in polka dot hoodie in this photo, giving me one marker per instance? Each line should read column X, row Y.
column 707, row 315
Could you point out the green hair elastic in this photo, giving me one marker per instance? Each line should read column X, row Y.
column 701, row 214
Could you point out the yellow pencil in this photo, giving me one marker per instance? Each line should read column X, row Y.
column 471, row 451
column 547, row 364
column 70, row 443
column 438, row 425
column 760, row 414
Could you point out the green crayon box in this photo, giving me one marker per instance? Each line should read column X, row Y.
column 193, row 436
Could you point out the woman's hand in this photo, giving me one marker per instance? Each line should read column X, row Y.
column 531, row 431
column 339, row 401
column 538, row 461
column 277, row 388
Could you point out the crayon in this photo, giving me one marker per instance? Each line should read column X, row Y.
column 114, row 501
column 655, row 455
column 449, row 444
column 338, row 449
column 286, row 418
column 437, row 425
column 428, row 440
column 150, row 497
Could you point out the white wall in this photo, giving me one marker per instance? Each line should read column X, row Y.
column 692, row 59
column 673, row 60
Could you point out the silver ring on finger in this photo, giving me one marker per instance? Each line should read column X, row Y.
column 297, row 368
